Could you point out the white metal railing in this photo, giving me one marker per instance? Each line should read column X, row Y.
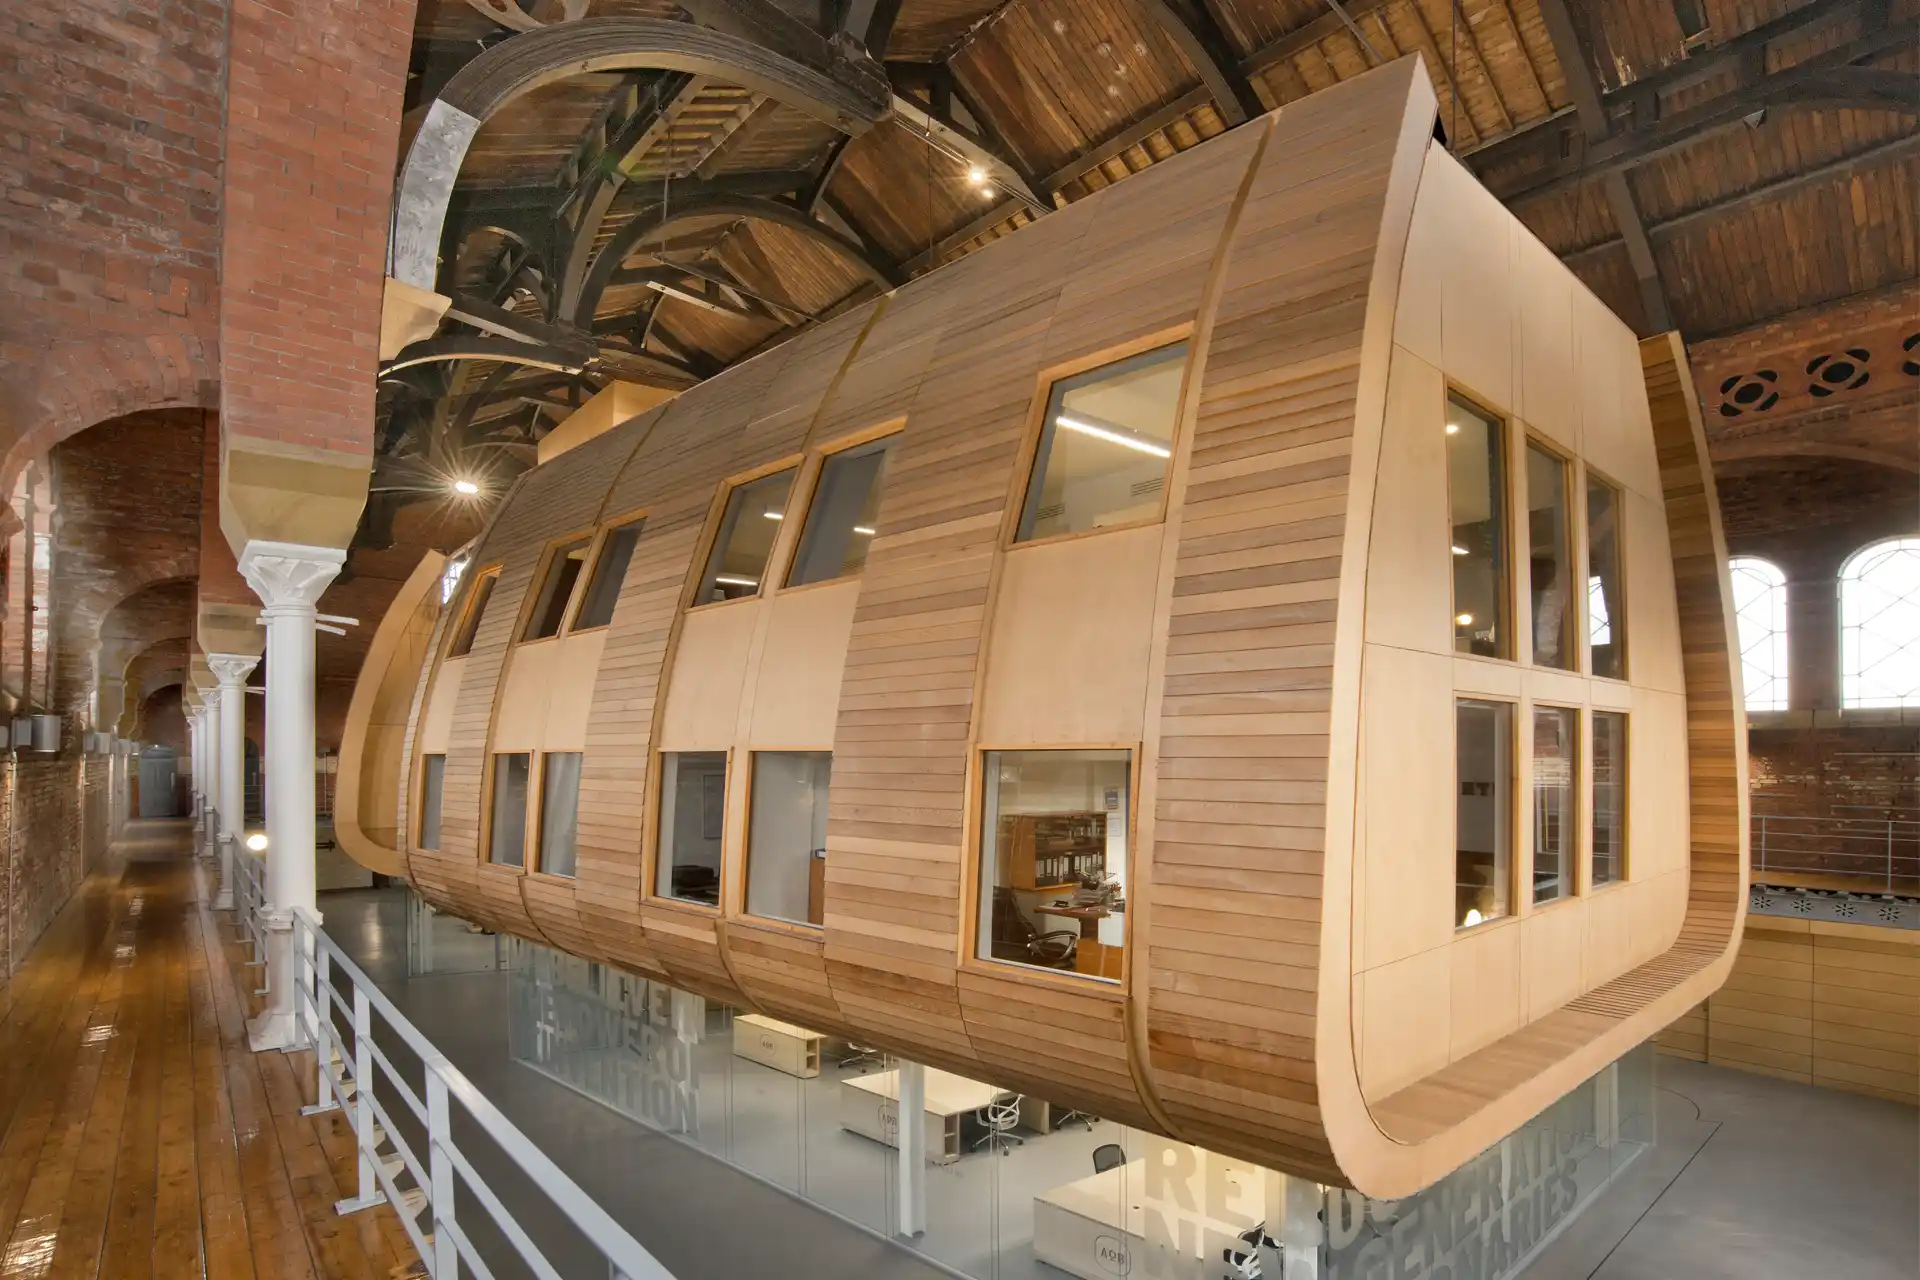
column 249, row 907
column 1872, row 852
column 353, row 1071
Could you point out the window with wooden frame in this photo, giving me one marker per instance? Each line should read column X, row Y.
column 787, row 835
column 839, row 525
column 1556, row 801
column 693, row 825
column 1609, row 774
column 609, row 574
column 1477, row 503
column 742, row 546
column 556, row 853
column 1483, row 821
column 1053, row 859
column 433, row 772
column 1556, row 606
column 472, row 612
column 1105, row 446
column 1606, row 584
column 509, row 776
column 560, row 576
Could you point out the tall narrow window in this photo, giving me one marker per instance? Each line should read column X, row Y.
column 1483, row 841
column 1606, row 593
column 693, row 807
column 476, row 609
column 1880, row 626
column 1550, row 559
column 559, row 811
column 609, row 572
column 1760, row 605
column 1477, row 497
column 1555, row 817
column 507, row 843
column 1609, row 797
column 433, row 773
column 1105, row 446
column 556, row 590
column 787, row 835
column 1053, row 859
column 839, row 528
column 748, row 527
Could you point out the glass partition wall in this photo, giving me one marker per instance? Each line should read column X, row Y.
column 1018, row 1187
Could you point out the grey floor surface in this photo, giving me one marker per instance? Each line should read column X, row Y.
column 1751, row 1179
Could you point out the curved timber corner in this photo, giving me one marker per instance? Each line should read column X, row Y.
column 1268, row 634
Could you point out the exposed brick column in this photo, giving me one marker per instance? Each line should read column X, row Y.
column 313, row 109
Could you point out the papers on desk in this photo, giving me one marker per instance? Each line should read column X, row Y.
column 1157, row 1215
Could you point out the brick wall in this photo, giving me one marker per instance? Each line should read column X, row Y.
column 41, row 824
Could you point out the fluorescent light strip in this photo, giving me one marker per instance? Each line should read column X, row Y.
column 1113, row 437
column 860, row 528
column 774, row 515
column 735, row 580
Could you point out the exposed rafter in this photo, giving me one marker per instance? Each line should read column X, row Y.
column 1190, row 25
column 634, row 366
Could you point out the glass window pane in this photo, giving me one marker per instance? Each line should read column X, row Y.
column 745, row 541
column 556, row 591
column 693, row 808
column 433, row 772
column 1483, row 844
column 1760, row 609
column 1477, row 498
column 1609, row 797
column 1555, row 749
column 787, row 835
column 1053, row 860
column 508, row 844
column 1550, row 559
column 1606, row 591
column 559, row 811
column 609, row 572
column 1105, row 446
column 840, row 526
column 1880, row 626
column 470, row 620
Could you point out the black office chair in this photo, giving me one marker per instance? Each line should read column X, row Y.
column 1108, row 1155
column 1015, row 938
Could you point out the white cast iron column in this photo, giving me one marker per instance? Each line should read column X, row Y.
column 210, row 794
column 288, row 578
column 230, row 791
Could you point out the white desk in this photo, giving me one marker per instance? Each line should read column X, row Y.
column 780, row 1045
column 870, row 1106
column 1097, row 1227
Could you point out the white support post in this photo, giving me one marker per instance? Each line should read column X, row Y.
column 370, row 1193
column 446, row 1254
column 288, row 578
column 318, row 1001
column 232, row 670
column 910, row 1130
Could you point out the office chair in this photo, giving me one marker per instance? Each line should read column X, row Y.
column 1108, row 1155
column 1066, row 1118
column 1243, row 1263
column 998, row 1119
column 858, row 1055
column 1015, row 938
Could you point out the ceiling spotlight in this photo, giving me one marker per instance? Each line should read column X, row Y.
column 1460, row 551
column 977, row 176
column 1453, row 428
column 257, row 842
column 986, row 193
column 465, row 488
column 1464, row 619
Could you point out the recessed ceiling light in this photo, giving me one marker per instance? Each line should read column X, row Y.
column 1460, row 551
column 465, row 488
column 1464, row 619
column 1113, row 437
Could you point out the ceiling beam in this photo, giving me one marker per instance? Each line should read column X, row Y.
column 1190, row 25
column 1343, row 17
column 562, row 358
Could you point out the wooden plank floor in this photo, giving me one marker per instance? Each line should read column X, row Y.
column 139, row 1137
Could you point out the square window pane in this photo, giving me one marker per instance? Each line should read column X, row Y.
column 1555, row 819
column 609, row 572
column 787, row 835
column 693, row 808
column 1550, row 559
column 1606, row 592
column 745, row 541
column 433, row 773
column 1477, row 500
column 1053, row 860
column 559, row 811
column 556, row 590
column 1483, row 843
column 1609, row 797
column 839, row 527
column 476, row 608
column 1105, row 446
column 508, row 842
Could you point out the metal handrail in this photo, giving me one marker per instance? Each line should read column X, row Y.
column 352, row 1071
column 1867, row 852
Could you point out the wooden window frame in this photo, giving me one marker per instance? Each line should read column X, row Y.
column 597, row 550
column 549, row 558
column 745, row 876
column 1588, row 475
column 483, row 850
column 775, row 571
column 1573, row 498
column 1518, row 905
column 814, row 469
column 419, row 801
column 1509, row 621
column 651, row 836
column 466, row 612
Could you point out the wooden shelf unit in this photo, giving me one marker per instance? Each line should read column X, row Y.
column 1051, row 850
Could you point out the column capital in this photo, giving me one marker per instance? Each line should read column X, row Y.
column 289, row 576
column 232, row 669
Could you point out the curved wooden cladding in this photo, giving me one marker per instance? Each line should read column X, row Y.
column 1275, row 252
column 373, row 745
